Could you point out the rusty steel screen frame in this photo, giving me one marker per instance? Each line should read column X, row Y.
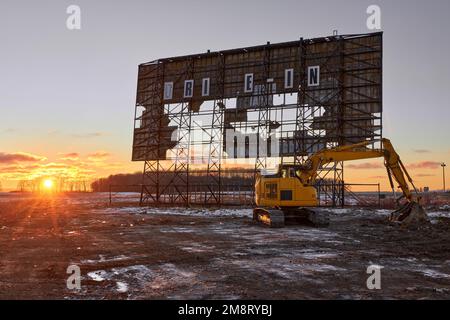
column 345, row 108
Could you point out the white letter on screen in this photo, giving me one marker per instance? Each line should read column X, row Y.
column 248, row 86
column 288, row 78
column 205, row 87
column 188, row 88
column 168, row 90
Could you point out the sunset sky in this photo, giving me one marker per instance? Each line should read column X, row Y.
column 67, row 97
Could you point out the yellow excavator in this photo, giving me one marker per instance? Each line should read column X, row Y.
column 285, row 197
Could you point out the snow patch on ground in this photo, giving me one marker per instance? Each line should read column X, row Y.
column 383, row 212
column 168, row 275
column 239, row 213
column 139, row 273
column 421, row 266
column 338, row 210
column 367, row 212
column 99, row 275
column 141, row 277
column 122, row 287
column 439, row 214
column 318, row 255
column 177, row 230
column 282, row 267
column 203, row 212
column 434, row 273
column 196, row 247
column 442, row 212
column 341, row 213
column 104, row 259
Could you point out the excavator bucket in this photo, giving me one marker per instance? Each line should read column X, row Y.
column 411, row 213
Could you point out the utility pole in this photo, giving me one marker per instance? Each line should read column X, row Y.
column 443, row 165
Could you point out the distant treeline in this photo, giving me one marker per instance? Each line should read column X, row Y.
column 121, row 182
column 229, row 178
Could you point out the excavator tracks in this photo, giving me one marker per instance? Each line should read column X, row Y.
column 270, row 217
column 409, row 214
column 278, row 218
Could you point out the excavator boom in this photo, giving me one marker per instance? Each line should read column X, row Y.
column 392, row 162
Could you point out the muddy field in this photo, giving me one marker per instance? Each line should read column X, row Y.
column 127, row 252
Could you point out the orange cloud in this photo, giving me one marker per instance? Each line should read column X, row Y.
column 69, row 167
column 37, row 170
column 425, row 165
column 377, row 177
column 88, row 135
column 19, row 157
column 72, row 156
column 423, row 175
column 98, row 156
column 9, row 169
column 365, row 165
column 421, row 151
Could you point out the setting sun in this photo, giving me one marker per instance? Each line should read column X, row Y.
column 48, row 184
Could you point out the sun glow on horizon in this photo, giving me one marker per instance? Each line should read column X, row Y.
column 48, row 184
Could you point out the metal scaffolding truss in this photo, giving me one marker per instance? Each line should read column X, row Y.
column 344, row 108
column 212, row 194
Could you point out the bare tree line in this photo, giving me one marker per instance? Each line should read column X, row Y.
column 132, row 182
column 61, row 184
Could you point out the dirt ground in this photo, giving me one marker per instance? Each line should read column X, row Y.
column 127, row 252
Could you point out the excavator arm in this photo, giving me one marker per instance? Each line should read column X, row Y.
column 394, row 166
column 392, row 162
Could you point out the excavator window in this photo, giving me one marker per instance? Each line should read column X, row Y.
column 286, row 195
column 271, row 191
column 288, row 173
column 291, row 172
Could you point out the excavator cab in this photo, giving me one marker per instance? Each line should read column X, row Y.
column 282, row 199
column 284, row 189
